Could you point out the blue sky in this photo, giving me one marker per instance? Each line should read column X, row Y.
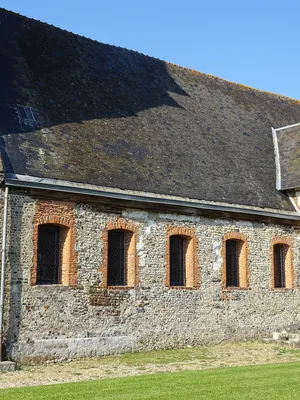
column 252, row 42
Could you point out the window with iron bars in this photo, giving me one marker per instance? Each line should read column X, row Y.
column 25, row 114
column 177, row 261
column 280, row 252
column 116, row 273
column 233, row 248
column 48, row 261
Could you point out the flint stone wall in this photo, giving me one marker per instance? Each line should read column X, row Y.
column 58, row 322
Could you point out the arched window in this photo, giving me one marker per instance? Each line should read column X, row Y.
column 280, row 254
column 118, row 242
column 233, row 251
column 54, row 237
column 178, row 248
column 53, row 255
column 119, row 268
column 49, row 257
column 282, row 268
column 235, row 266
column 181, row 258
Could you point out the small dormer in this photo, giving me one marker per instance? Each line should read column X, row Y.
column 25, row 115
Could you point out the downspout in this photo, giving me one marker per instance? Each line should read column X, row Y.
column 3, row 259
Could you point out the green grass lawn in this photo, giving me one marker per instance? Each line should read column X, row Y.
column 165, row 356
column 267, row 382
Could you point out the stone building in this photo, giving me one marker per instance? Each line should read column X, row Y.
column 146, row 208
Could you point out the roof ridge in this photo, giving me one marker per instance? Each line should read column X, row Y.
column 191, row 70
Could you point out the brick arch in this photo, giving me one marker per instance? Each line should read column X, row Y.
column 60, row 214
column 243, row 259
column 289, row 268
column 191, row 255
column 131, row 251
column 55, row 219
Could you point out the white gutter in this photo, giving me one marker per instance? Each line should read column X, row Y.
column 3, row 259
column 286, row 127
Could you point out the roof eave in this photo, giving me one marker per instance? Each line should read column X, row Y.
column 20, row 181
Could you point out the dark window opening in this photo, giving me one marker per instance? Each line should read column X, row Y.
column 48, row 255
column 177, row 261
column 116, row 275
column 280, row 251
column 232, row 263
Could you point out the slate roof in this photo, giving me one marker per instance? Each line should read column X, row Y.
column 289, row 157
column 113, row 117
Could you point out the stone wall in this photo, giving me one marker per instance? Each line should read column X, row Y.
column 63, row 322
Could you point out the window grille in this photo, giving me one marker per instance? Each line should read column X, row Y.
column 280, row 251
column 116, row 258
column 177, row 261
column 232, row 263
column 48, row 255
column 25, row 113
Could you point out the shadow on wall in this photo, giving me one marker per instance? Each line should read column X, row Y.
column 69, row 78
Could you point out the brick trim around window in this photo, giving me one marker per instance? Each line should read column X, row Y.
column 242, row 260
column 289, row 268
column 61, row 214
column 191, row 257
column 132, row 260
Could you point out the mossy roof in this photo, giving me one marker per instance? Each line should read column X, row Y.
column 113, row 117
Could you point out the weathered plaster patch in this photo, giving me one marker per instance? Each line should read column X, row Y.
column 179, row 218
column 135, row 214
column 140, row 251
column 223, row 222
column 217, row 259
column 150, row 223
column 244, row 223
